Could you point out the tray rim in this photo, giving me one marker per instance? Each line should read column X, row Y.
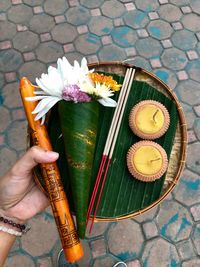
column 184, row 140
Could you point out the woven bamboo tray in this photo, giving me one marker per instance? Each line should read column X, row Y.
column 178, row 153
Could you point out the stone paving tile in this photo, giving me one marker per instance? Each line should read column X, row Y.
column 33, row 2
column 186, row 250
column 10, row 76
column 43, row 229
column 150, row 230
column 167, row 76
column 195, row 210
column 170, row 13
column 104, row 262
column 55, row 8
column 191, row 22
column 187, row 191
column 19, row 260
column 134, row 263
column 11, row 60
column 20, row 14
column 18, row 128
column 146, row 5
column 196, row 238
column 194, row 69
column 7, row 158
column 41, row 23
column 79, row 12
column 5, row 118
column 185, row 95
column 87, row 44
column 124, row 36
column 49, row 52
column 100, row 25
column 195, row 6
column 44, row 262
column 191, row 136
column 193, row 160
column 4, row 5
column 180, row 2
column 91, row 4
column 111, row 52
column 160, row 29
column 174, row 221
column 159, row 251
column 98, row 248
column 197, row 128
column 7, row 29
column 25, row 41
column 191, row 263
column 11, row 96
column 64, row 33
column 85, row 261
column 184, row 39
column 174, row 59
column 148, row 47
column 32, row 70
column 113, row 9
column 1, row 84
column 136, row 19
column 131, row 239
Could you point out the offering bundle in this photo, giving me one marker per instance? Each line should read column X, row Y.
column 79, row 93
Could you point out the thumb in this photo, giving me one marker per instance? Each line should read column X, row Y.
column 31, row 158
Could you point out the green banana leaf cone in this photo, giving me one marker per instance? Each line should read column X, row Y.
column 79, row 124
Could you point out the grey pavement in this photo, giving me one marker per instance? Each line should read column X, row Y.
column 159, row 35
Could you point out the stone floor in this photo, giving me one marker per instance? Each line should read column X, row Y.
column 159, row 35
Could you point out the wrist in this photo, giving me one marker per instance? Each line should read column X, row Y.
column 12, row 227
column 9, row 216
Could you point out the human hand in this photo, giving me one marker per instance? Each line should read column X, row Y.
column 20, row 198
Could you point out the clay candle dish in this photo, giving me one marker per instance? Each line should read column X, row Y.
column 149, row 119
column 147, row 161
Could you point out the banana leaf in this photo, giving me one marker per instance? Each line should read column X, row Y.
column 122, row 194
column 79, row 123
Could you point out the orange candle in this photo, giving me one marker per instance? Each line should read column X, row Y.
column 71, row 244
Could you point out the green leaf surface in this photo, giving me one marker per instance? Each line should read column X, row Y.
column 79, row 123
column 122, row 194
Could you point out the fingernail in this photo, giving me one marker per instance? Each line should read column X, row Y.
column 52, row 154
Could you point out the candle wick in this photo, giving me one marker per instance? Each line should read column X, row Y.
column 154, row 115
column 155, row 159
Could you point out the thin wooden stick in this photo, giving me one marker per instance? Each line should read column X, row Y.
column 110, row 135
column 112, row 144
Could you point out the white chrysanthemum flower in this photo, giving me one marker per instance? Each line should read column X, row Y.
column 71, row 83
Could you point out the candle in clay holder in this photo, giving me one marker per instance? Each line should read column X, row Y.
column 149, row 119
column 147, row 161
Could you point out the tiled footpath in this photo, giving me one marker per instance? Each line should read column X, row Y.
column 159, row 35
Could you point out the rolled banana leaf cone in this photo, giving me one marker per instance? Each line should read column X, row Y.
column 79, row 123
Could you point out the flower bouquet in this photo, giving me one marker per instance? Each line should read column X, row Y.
column 78, row 92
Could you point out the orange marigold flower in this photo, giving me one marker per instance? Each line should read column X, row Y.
column 107, row 80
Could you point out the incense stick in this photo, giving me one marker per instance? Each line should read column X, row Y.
column 111, row 141
column 105, row 153
column 111, row 144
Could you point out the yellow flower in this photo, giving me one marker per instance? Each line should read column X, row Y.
column 106, row 80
